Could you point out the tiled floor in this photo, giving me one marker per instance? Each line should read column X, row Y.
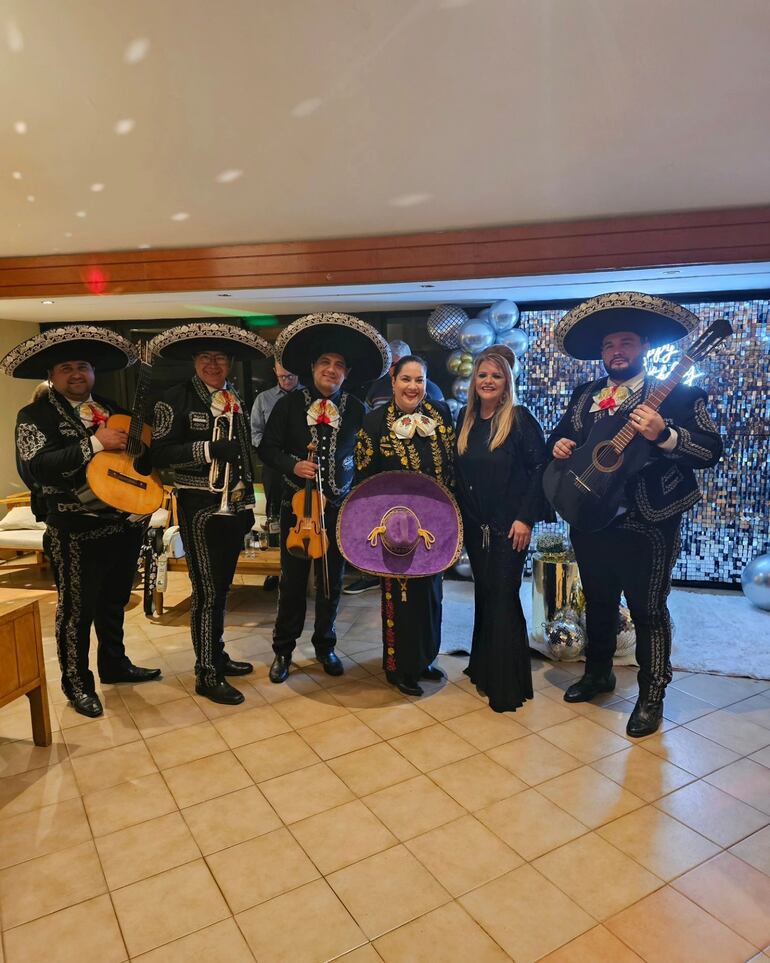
column 333, row 818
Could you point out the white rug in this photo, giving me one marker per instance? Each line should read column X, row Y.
column 714, row 631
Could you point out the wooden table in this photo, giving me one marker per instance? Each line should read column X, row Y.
column 22, row 668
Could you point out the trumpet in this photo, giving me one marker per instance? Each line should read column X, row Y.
column 216, row 468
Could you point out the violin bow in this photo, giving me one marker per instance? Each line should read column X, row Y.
column 322, row 518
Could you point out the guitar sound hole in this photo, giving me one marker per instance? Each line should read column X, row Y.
column 605, row 458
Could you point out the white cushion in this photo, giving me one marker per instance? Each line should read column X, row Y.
column 20, row 519
column 159, row 518
column 25, row 540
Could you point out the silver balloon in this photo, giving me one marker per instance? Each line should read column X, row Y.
column 454, row 361
column 516, row 339
column 454, row 406
column 503, row 315
column 460, row 388
column 476, row 335
column 626, row 639
column 463, row 565
column 755, row 582
column 564, row 640
column 445, row 323
column 483, row 315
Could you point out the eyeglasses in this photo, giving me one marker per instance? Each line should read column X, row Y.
column 286, row 377
column 207, row 358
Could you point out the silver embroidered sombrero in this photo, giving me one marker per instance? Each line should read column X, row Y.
column 365, row 351
column 186, row 340
column 105, row 349
column 581, row 331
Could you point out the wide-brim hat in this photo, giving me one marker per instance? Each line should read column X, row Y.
column 186, row 340
column 103, row 348
column 581, row 331
column 364, row 349
column 402, row 524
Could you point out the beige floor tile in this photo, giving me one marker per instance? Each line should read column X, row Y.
column 615, row 718
column 297, row 684
column 689, row 751
column 733, row 892
column 477, row 781
column 432, row 747
column 642, row 773
column 463, row 854
column 327, row 929
column 203, row 779
column 413, row 807
column 184, row 745
column 352, row 671
column 713, row 813
column 447, row 702
column 387, row 890
column 24, row 755
column 262, row 722
column 335, row 737
column 147, row 849
column 138, row 697
column 36, row 788
column 507, row 907
column 178, row 714
column 755, row 850
column 680, row 707
column 447, row 934
column 756, row 709
column 719, row 690
column 50, row 883
column 533, row 759
column 395, row 720
column 68, row 718
column 530, row 823
column 221, row 943
column 594, row 946
column 762, row 757
column 364, row 954
column 306, row 792
column 746, row 780
column 667, row 928
column 86, row 931
column 109, row 767
column 260, row 869
column 583, row 739
column 273, row 757
column 614, row 882
column 310, row 710
column 486, row 729
column 542, row 712
column 42, row 831
column 369, row 770
column 368, row 694
column 342, row 836
column 163, row 908
column 661, row 844
column 591, row 797
column 128, row 804
column 231, row 819
column 732, row 731
column 115, row 729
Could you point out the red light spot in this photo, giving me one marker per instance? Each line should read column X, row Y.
column 96, row 280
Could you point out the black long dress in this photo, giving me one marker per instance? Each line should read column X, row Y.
column 494, row 489
column 411, row 629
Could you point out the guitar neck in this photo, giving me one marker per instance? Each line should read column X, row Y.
column 134, row 443
column 654, row 400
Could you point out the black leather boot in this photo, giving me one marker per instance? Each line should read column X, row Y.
column 279, row 670
column 646, row 717
column 222, row 692
column 590, row 686
column 231, row 667
column 332, row 663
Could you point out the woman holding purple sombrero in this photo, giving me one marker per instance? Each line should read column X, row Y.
column 402, row 523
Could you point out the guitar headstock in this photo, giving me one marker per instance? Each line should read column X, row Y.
column 717, row 332
column 143, row 352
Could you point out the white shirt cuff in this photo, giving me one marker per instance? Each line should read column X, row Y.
column 670, row 443
column 96, row 445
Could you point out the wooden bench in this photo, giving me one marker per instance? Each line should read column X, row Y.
column 22, row 667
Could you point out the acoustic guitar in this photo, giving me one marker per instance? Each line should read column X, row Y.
column 586, row 489
column 124, row 479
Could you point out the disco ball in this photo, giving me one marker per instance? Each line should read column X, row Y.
column 444, row 325
column 564, row 640
column 755, row 582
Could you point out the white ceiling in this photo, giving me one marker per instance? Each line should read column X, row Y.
column 300, row 119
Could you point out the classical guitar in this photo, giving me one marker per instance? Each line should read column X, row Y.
column 586, row 489
column 119, row 478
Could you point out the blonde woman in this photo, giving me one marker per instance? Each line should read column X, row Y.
column 500, row 460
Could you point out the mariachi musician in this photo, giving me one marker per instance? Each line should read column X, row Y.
column 201, row 433
column 93, row 548
column 324, row 350
column 635, row 554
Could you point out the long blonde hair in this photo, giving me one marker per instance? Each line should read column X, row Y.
column 504, row 417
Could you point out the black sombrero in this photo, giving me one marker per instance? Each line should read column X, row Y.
column 365, row 351
column 186, row 340
column 581, row 331
column 106, row 350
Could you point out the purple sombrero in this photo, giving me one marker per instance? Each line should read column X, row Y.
column 401, row 524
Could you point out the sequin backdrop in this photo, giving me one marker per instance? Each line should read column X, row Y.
column 730, row 526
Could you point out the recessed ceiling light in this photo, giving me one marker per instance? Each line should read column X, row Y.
column 228, row 176
column 16, row 175
column 47, row 301
column 68, row 233
column 20, row 127
column 409, row 200
column 180, row 216
column 13, row 37
column 143, row 247
column 136, row 50
column 80, row 213
column 124, row 126
column 31, row 198
column 97, row 188
column 306, row 107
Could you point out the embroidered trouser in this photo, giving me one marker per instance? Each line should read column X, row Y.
column 634, row 557
column 292, row 591
column 94, row 571
column 212, row 545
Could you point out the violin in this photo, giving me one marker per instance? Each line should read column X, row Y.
column 308, row 538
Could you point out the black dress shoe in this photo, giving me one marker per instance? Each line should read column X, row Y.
column 271, row 583
column 645, row 719
column 589, row 686
column 222, row 692
column 331, row 663
column 87, row 705
column 231, row 667
column 404, row 684
column 433, row 674
column 279, row 670
column 134, row 673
